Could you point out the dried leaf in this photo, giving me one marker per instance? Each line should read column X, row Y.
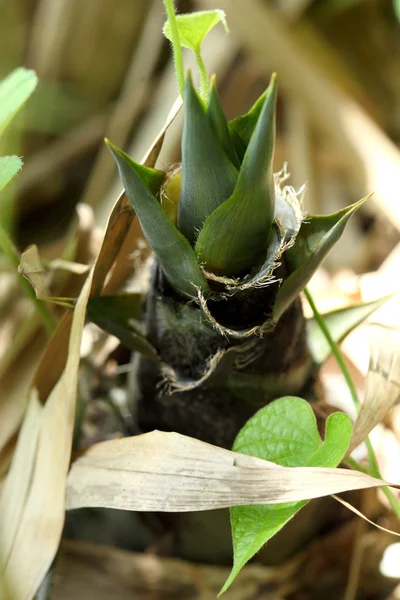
column 16, row 487
column 40, row 526
column 382, row 389
column 169, row 472
column 31, row 268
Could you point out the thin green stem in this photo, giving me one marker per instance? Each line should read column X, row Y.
column 203, row 75
column 176, row 44
column 374, row 468
column 7, row 246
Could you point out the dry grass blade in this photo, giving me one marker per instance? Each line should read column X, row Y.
column 37, row 537
column 382, row 387
column 170, row 472
column 16, row 486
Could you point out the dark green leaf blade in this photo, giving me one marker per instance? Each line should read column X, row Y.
column 208, row 176
column 284, row 432
column 241, row 128
column 14, row 91
column 174, row 252
column 218, row 121
column 120, row 316
column 236, row 234
column 315, row 239
column 340, row 323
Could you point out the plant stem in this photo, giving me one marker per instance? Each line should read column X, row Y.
column 176, row 44
column 203, row 75
column 7, row 246
column 374, row 468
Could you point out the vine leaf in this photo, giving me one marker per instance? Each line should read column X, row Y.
column 284, row 432
column 194, row 27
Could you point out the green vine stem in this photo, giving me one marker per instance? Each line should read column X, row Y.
column 374, row 468
column 7, row 246
column 176, row 44
column 203, row 76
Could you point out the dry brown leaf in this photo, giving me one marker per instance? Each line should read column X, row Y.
column 39, row 529
column 382, row 387
column 16, row 485
column 68, row 265
column 31, row 268
column 169, row 472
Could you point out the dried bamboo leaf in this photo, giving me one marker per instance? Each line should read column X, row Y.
column 170, row 472
column 40, row 526
column 31, row 268
column 382, row 389
column 16, row 486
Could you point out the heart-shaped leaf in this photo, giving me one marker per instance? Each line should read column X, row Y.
column 174, row 252
column 194, row 27
column 236, row 234
column 284, row 432
column 315, row 239
column 208, row 176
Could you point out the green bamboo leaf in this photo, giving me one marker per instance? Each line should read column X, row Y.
column 236, row 234
column 242, row 127
column 14, row 91
column 315, row 239
column 194, row 27
column 9, row 167
column 284, row 432
column 340, row 323
column 208, row 176
column 120, row 316
column 217, row 118
column 174, row 253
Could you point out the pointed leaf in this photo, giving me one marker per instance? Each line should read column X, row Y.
column 194, row 27
column 14, row 91
column 284, row 432
column 9, row 167
column 242, row 128
column 120, row 316
column 174, row 253
column 340, row 323
column 208, row 176
column 236, row 234
column 217, row 118
column 315, row 239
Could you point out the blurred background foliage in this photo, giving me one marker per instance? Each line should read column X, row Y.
column 105, row 70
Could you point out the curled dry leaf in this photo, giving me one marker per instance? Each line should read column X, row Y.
column 169, row 472
column 31, row 268
column 383, row 384
column 35, row 540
